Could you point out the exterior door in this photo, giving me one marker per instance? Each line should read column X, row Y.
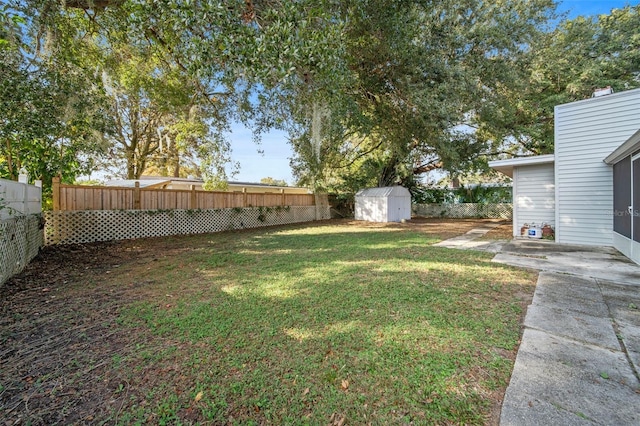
column 635, row 204
column 622, row 197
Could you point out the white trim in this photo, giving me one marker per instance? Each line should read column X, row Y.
column 626, row 246
column 506, row 166
column 514, row 195
column 619, row 95
column 622, row 244
column 628, row 147
column 556, row 195
column 633, row 206
column 635, row 251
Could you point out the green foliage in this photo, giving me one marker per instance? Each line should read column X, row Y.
column 424, row 195
column 415, row 75
column 52, row 114
column 563, row 65
column 372, row 93
column 483, row 194
column 469, row 194
column 159, row 122
column 274, row 182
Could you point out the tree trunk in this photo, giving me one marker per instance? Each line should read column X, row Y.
column 131, row 164
column 176, row 166
column 9, row 158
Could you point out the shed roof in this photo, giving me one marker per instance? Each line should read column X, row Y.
column 506, row 166
column 630, row 146
column 385, row 191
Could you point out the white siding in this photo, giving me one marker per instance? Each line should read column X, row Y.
column 399, row 208
column 387, row 204
column 533, row 196
column 371, row 209
column 585, row 133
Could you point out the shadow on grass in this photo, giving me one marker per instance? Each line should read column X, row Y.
column 309, row 324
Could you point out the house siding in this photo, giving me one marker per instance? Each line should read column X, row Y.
column 534, row 196
column 585, row 133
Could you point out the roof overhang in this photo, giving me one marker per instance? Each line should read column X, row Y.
column 506, row 166
column 630, row 146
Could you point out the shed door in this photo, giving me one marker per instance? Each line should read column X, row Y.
column 635, row 207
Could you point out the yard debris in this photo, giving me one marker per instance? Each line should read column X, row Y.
column 337, row 419
column 345, row 384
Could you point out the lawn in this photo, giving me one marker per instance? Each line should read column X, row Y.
column 332, row 323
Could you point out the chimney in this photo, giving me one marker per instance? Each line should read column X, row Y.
column 602, row 92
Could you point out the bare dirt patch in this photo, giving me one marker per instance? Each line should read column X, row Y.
column 60, row 341
column 502, row 232
column 445, row 228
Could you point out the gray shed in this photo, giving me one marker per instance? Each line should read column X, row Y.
column 386, row 204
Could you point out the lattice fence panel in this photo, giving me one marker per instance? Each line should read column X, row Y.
column 103, row 225
column 465, row 210
column 20, row 240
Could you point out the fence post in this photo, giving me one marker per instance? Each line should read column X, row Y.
column 55, row 189
column 282, row 199
column 322, row 205
column 136, row 196
column 25, row 198
column 244, row 197
column 193, row 201
column 23, row 178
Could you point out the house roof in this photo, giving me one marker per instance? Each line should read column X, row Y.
column 506, row 166
column 630, row 146
column 144, row 183
column 160, row 182
column 385, row 191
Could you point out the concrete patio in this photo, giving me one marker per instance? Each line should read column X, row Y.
column 579, row 358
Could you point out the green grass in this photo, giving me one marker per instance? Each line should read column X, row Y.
column 305, row 325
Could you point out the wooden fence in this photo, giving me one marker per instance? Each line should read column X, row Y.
column 78, row 197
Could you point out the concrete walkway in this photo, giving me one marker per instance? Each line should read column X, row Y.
column 469, row 241
column 579, row 358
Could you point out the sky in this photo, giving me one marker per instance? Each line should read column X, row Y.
column 271, row 158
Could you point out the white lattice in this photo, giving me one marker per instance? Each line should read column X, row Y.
column 20, row 240
column 104, row 225
column 465, row 210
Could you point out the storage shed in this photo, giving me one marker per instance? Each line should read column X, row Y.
column 386, row 204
